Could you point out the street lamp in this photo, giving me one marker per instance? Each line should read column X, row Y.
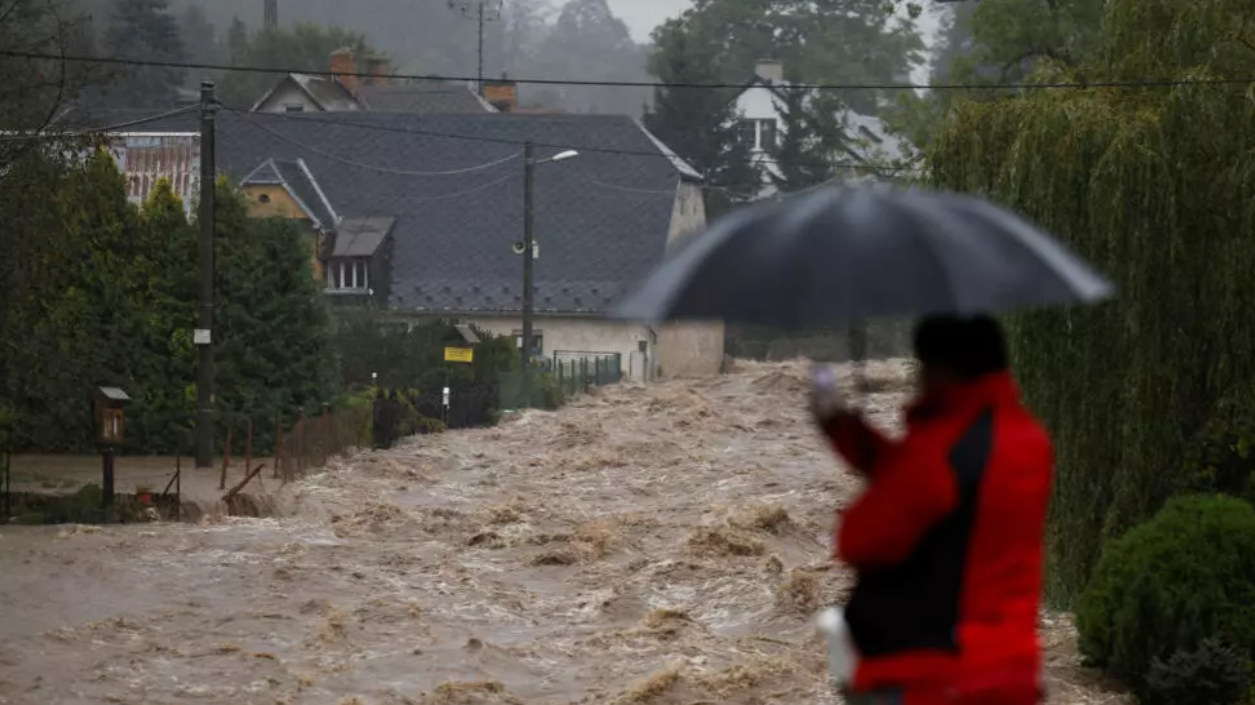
column 529, row 251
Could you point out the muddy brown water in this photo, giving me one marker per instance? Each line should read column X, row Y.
column 666, row 544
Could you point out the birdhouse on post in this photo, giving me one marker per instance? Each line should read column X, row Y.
column 110, row 431
column 110, row 416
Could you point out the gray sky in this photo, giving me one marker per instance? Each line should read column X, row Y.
column 642, row 16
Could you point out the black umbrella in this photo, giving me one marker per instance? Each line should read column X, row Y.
column 842, row 255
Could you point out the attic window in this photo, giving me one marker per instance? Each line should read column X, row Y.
column 293, row 108
column 264, row 198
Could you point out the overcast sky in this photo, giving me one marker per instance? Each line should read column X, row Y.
column 642, row 16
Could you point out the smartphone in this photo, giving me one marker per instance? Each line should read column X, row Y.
column 824, row 377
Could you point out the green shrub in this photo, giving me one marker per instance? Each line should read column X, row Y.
column 1212, row 674
column 552, row 395
column 1164, row 588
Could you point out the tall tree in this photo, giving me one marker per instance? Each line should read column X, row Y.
column 814, row 137
column 700, row 124
column 587, row 28
column 204, row 46
column 145, row 30
column 237, row 39
column 1153, row 395
column 830, row 41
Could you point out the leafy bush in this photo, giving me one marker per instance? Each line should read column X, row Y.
column 1212, row 674
column 1166, row 587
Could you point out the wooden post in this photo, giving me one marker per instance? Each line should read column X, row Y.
column 226, row 499
column 178, row 488
column 248, row 448
column 278, row 444
column 226, row 461
column 300, row 442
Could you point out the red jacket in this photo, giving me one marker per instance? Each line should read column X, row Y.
column 947, row 541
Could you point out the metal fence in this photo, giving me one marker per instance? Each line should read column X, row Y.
column 566, row 375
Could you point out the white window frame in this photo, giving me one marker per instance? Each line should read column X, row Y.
column 348, row 274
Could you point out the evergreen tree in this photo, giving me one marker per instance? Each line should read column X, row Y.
column 145, row 30
column 813, row 137
column 237, row 39
column 701, row 124
column 201, row 37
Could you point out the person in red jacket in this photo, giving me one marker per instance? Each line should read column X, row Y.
column 947, row 537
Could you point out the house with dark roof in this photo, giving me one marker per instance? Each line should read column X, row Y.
column 366, row 86
column 421, row 215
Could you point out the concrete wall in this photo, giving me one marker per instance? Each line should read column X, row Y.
column 587, row 335
column 282, row 205
column 690, row 349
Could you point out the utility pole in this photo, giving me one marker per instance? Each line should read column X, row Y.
column 270, row 14
column 203, row 336
column 481, row 16
column 529, row 246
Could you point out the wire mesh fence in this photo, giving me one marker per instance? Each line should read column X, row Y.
column 559, row 379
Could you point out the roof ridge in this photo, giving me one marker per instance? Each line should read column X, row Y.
column 318, row 189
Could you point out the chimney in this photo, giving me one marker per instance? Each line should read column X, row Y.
column 377, row 70
column 503, row 94
column 343, row 66
column 770, row 70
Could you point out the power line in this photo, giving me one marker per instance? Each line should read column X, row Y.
column 1075, row 85
column 102, row 130
column 372, row 167
column 498, row 140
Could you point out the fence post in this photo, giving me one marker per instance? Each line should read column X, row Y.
column 8, row 487
column 278, row 444
column 178, row 487
column 583, row 375
column 325, row 443
column 300, row 442
column 226, row 461
column 248, row 448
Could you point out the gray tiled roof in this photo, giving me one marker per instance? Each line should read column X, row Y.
column 361, row 235
column 601, row 219
column 428, row 97
column 296, row 177
column 326, row 91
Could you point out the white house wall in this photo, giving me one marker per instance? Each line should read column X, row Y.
column 582, row 335
column 691, row 349
column 761, row 103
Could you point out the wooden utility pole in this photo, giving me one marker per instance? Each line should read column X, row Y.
column 529, row 245
column 203, row 336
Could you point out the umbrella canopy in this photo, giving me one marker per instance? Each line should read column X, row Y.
column 841, row 255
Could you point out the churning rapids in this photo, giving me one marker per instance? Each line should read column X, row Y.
column 662, row 544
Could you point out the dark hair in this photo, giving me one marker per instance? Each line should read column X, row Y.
column 970, row 347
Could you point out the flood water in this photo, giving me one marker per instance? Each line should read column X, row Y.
column 666, row 544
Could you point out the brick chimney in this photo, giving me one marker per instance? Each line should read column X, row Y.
column 770, row 70
column 503, row 94
column 377, row 70
column 343, row 66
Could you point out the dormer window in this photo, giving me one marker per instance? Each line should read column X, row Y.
column 348, row 274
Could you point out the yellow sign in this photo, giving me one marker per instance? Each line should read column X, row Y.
column 459, row 355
